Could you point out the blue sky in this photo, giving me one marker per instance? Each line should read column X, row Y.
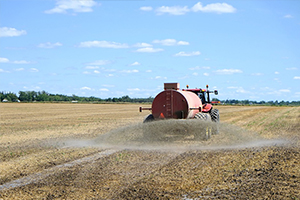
column 245, row 49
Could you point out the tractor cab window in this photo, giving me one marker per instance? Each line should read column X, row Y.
column 202, row 97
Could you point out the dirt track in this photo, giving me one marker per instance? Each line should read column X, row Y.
column 255, row 156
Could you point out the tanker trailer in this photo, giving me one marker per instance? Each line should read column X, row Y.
column 173, row 103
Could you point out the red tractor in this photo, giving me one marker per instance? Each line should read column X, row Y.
column 173, row 103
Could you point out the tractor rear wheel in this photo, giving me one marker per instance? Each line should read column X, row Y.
column 215, row 117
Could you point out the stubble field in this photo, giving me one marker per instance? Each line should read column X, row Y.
column 97, row 151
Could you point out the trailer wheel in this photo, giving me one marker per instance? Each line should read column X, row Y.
column 149, row 118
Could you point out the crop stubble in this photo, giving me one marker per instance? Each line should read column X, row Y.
column 248, row 159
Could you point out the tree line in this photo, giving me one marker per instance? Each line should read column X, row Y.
column 268, row 103
column 42, row 96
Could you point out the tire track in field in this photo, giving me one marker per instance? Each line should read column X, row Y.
column 106, row 174
column 34, row 178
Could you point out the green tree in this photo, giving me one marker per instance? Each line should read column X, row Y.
column 42, row 96
column 11, row 97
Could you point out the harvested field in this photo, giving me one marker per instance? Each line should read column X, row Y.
column 98, row 151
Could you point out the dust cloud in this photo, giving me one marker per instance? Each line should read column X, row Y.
column 177, row 135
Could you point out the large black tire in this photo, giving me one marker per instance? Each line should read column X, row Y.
column 215, row 116
column 202, row 116
column 149, row 118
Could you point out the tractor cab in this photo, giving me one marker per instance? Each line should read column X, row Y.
column 203, row 94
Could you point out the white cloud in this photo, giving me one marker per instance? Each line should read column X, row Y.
column 206, row 74
column 85, row 88
column 199, row 68
column 297, row 94
column 276, row 72
column 103, row 44
column 288, row 16
column 214, row 8
column 272, row 91
column 2, row 71
column 218, row 8
column 257, row 74
column 149, row 71
column 4, row 60
column 173, row 10
column 108, row 70
column 49, row 45
column 238, row 89
column 91, row 67
column 182, row 53
column 291, row 68
column 297, row 77
column 34, row 70
column 135, row 64
column 183, row 43
column 19, row 69
column 21, row 62
column 98, row 63
column 170, row 42
column 142, row 45
column 195, row 74
column 160, row 78
column 284, row 90
column 133, row 89
column 149, row 50
column 266, row 89
column 228, row 71
column 195, row 68
column 130, row 71
column 242, row 90
column 32, row 88
column 96, row 72
column 10, row 32
column 146, row 8
column 232, row 87
column 104, row 90
column 75, row 5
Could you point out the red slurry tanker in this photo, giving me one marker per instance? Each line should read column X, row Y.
column 173, row 103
